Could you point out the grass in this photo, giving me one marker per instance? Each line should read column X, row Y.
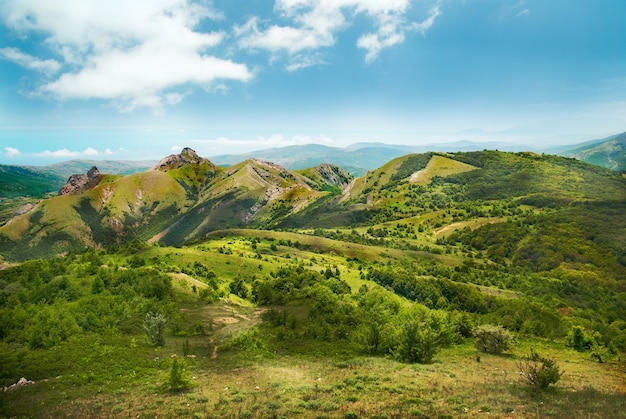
column 297, row 385
column 116, row 375
column 439, row 166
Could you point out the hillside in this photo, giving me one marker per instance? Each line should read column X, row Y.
column 182, row 198
column 17, row 181
column 194, row 290
column 357, row 158
column 609, row 152
column 37, row 181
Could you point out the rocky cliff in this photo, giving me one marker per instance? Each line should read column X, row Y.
column 81, row 182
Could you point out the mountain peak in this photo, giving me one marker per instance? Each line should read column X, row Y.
column 79, row 182
column 174, row 161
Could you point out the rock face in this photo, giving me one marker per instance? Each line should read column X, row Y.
column 80, row 182
column 334, row 175
column 174, row 161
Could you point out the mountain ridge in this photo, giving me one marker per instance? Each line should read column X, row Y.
column 186, row 197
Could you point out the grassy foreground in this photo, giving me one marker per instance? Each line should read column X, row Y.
column 236, row 365
column 116, row 375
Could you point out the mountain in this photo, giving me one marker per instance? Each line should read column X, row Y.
column 120, row 167
column 24, row 181
column 182, row 198
column 357, row 158
column 608, row 152
column 41, row 180
column 185, row 198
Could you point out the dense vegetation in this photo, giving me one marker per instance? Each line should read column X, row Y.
column 409, row 284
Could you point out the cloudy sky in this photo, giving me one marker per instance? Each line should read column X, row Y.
column 140, row 79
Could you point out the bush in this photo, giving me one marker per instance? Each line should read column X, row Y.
column 538, row 371
column 178, row 378
column 154, row 326
column 578, row 339
column 421, row 337
column 492, row 339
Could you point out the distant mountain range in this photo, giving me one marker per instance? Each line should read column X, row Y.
column 356, row 160
column 608, row 152
column 359, row 158
column 185, row 197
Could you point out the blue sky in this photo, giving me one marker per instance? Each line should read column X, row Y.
column 141, row 79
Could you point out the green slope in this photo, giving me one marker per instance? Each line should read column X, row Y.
column 18, row 181
column 609, row 152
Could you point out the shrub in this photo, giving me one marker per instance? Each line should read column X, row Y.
column 538, row 371
column 578, row 339
column 492, row 339
column 154, row 326
column 420, row 340
column 178, row 378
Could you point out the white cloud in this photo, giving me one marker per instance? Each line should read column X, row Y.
column 315, row 24
column 11, row 151
column 134, row 54
column 303, row 61
column 391, row 31
column 67, row 153
column 28, row 61
column 64, row 152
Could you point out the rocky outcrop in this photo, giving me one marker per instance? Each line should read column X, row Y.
column 81, row 182
column 174, row 161
column 334, row 175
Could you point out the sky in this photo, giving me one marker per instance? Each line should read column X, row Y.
column 135, row 80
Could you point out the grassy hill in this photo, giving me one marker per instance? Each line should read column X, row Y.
column 608, row 152
column 17, row 181
column 256, row 291
column 37, row 181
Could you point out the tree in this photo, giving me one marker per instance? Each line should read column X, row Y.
column 578, row 339
column 178, row 378
column 239, row 288
column 491, row 338
column 154, row 326
column 538, row 371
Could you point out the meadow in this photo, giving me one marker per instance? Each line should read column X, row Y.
column 295, row 349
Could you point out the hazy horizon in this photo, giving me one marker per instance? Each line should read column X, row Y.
column 138, row 81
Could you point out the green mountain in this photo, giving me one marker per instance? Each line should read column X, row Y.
column 455, row 284
column 357, row 158
column 609, row 152
column 182, row 198
column 459, row 196
column 36, row 181
column 18, row 181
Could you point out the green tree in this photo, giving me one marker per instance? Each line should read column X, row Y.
column 154, row 326
column 239, row 288
column 578, row 339
column 492, row 339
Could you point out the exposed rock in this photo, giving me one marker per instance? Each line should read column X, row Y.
column 81, row 182
column 174, row 161
column 24, row 209
column 334, row 175
column 21, row 383
column 93, row 173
